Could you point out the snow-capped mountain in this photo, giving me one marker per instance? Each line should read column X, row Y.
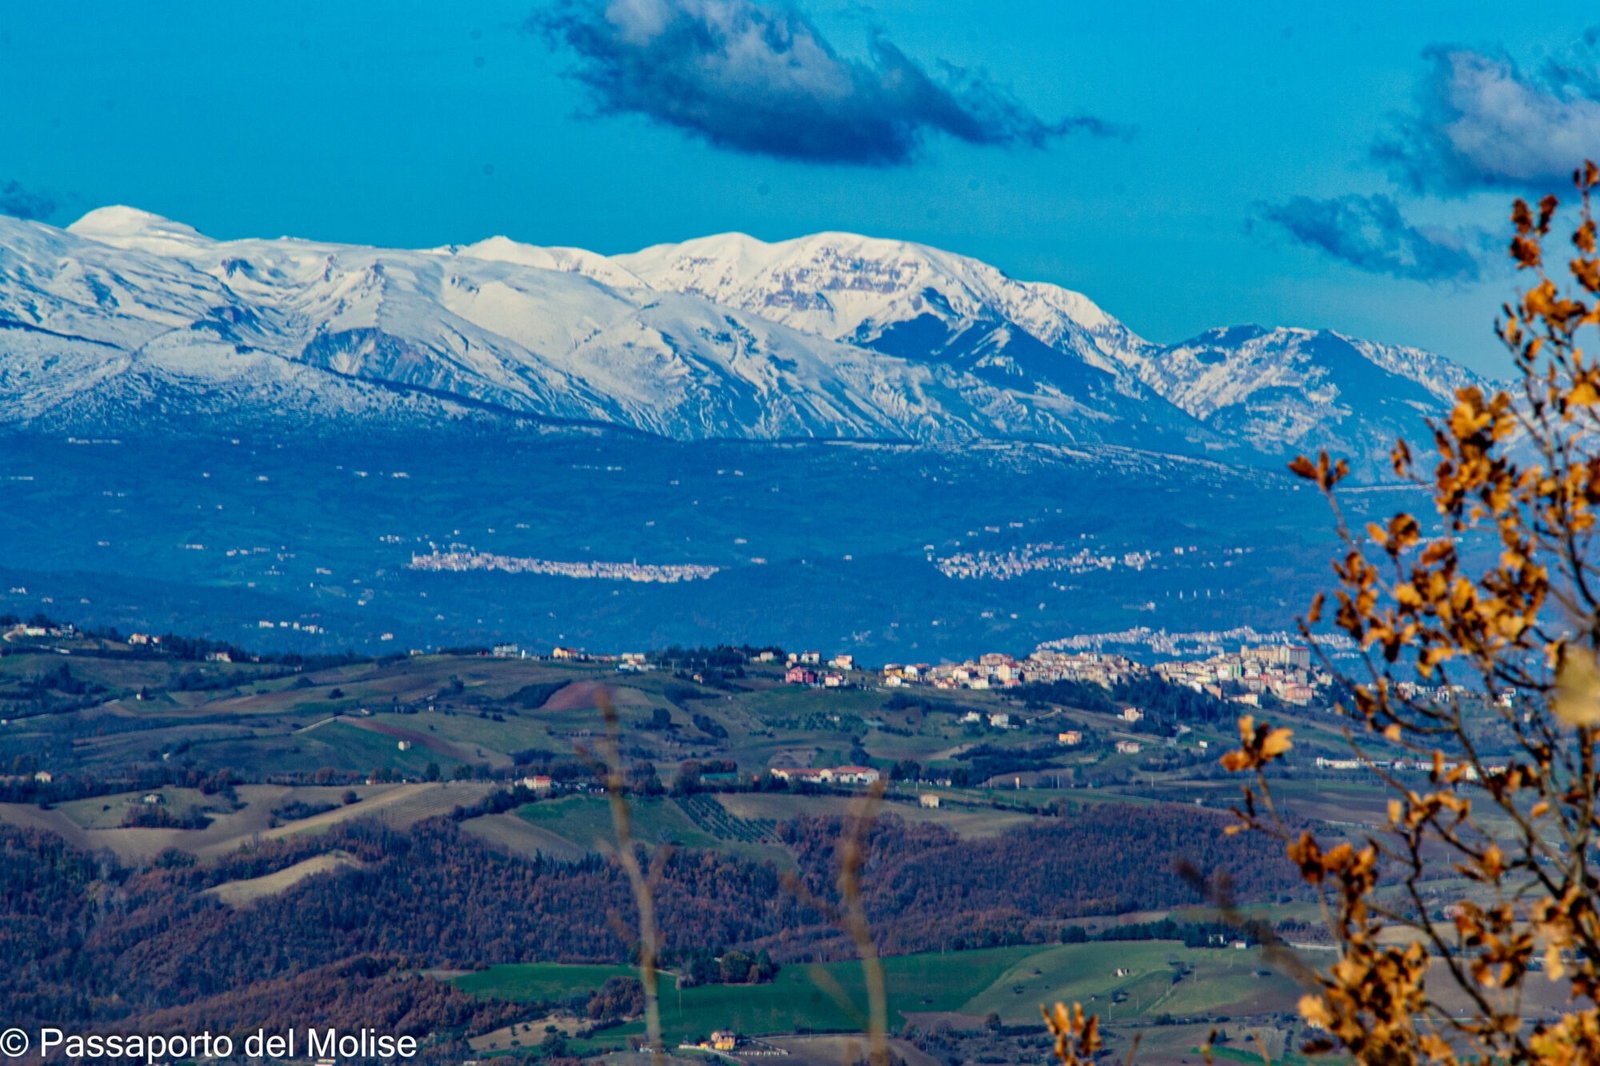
column 891, row 295
column 1296, row 390
column 129, row 311
column 920, row 304
column 129, row 316
column 375, row 330
column 1279, row 391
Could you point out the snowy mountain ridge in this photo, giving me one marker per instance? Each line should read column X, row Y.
column 128, row 315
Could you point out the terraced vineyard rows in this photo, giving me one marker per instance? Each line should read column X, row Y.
column 713, row 817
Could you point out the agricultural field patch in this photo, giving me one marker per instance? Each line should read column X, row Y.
column 781, row 806
column 1011, row 982
column 244, row 892
column 517, row 835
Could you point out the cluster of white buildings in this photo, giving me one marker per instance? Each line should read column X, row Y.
column 1423, row 766
column 810, row 658
column 628, row 661
column 1037, row 558
column 1446, row 694
column 828, row 775
column 998, row 670
column 649, row 573
column 299, row 627
column 28, row 629
column 1283, row 671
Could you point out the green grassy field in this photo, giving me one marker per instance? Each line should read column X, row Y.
column 1253, row 1055
column 1161, row 978
column 826, row 998
column 794, row 701
column 342, row 744
column 585, row 821
column 513, row 733
column 962, row 821
column 107, row 812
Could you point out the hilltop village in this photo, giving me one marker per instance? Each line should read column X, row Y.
column 1281, row 672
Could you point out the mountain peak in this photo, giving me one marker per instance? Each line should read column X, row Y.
column 891, row 294
column 501, row 249
column 128, row 227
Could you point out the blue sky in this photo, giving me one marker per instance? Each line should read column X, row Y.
column 1184, row 166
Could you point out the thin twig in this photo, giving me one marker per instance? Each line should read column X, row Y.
column 850, row 915
column 643, row 896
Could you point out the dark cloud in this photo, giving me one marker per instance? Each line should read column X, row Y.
column 1370, row 233
column 1481, row 123
column 19, row 202
column 760, row 78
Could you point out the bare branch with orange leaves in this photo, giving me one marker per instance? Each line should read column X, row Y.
column 1481, row 620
